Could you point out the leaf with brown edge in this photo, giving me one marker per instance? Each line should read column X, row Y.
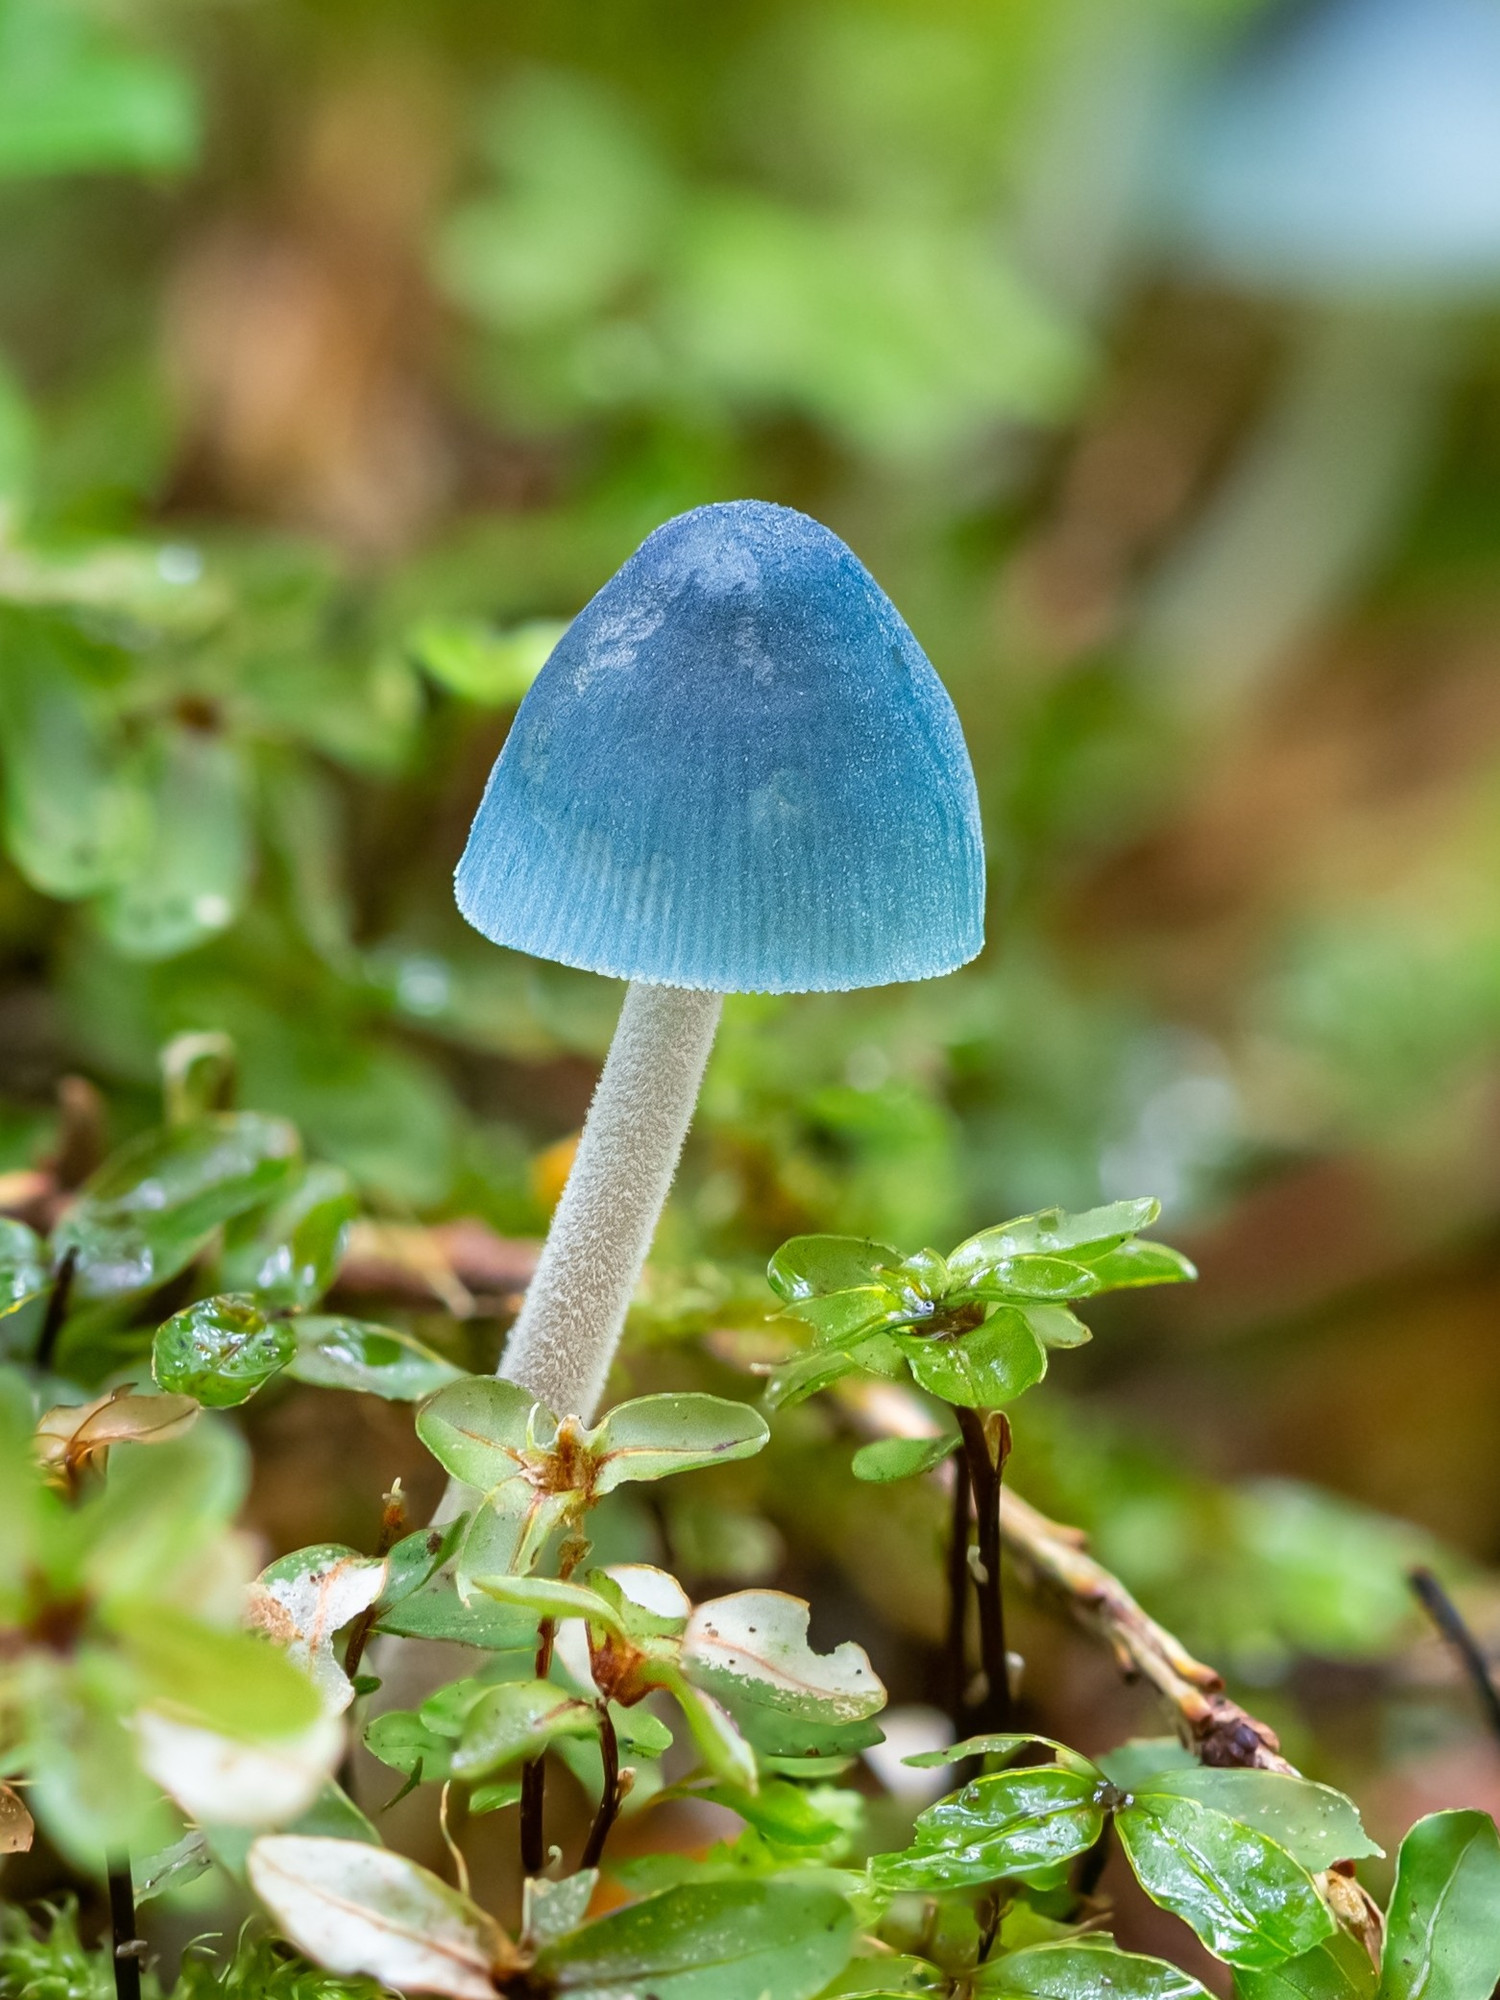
column 303, row 1599
column 359, row 1909
column 70, row 1436
column 17, row 1828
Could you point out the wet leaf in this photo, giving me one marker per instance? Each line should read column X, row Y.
column 290, row 1255
column 1084, row 1970
column 1244, row 1895
column 1133, row 1764
column 552, row 1909
column 1315, row 1824
column 17, row 1828
column 1011, row 1823
column 708, row 1941
column 982, row 1370
column 1052, row 1232
column 812, row 1266
column 890, row 1459
column 403, row 1740
column 1443, row 1925
column 221, row 1350
column 653, row 1437
column 378, row 1360
column 1337, row 1969
column 76, row 1434
column 436, row 1611
column 153, row 1205
column 25, row 1272
column 355, row 1908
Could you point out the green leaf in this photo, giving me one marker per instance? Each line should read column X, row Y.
column 1244, row 1895
column 220, row 1350
column 355, row 1908
column 24, row 1269
column 1133, row 1764
column 516, row 1721
column 377, row 1360
column 86, row 1787
column 808, row 1267
column 1005, row 1747
column 1136, row 1263
column 1010, row 1823
column 71, row 101
column 982, row 1370
column 750, row 1651
column 290, row 1254
column 1055, row 1326
column 547, row 1597
column 785, row 1814
column 160, row 1510
column 1337, row 1969
column 74, row 816
column 473, row 660
column 436, row 1611
column 1084, row 1970
column 229, row 1681
column 708, row 1941
column 1053, row 1232
column 152, row 1206
column 1042, row 1278
column 1315, row 1824
column 1443, row 1925
column 655, row 1436
column 806, row 1374
column 550, row 1909
column 190, row 876
column 890, row 1459
column 403, row 1740
column 478, row 1428
column 843, row 1319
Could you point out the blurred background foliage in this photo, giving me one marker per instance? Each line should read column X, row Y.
column 346, row 349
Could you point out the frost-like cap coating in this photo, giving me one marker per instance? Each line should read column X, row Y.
column 1355, row 146
column 738, row 772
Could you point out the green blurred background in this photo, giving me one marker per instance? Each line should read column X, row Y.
column 345, row 349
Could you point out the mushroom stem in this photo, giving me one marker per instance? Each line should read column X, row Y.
column 569, row 1327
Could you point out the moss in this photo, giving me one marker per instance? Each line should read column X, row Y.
column 42, row 1957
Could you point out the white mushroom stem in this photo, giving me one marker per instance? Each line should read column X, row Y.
column 570, row 1325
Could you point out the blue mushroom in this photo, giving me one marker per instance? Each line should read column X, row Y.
column 737, row 772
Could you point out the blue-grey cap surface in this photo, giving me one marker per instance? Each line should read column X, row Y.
column 737, row 772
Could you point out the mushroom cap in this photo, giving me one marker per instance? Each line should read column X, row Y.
column 1351, row 145
column 736, row 772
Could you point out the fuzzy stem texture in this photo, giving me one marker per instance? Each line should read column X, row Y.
column 569, row 1327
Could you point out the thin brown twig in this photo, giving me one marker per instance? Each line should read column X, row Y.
column 985, row 1476
column 955, row 1665
column 127, row 1947
column 534, row 1774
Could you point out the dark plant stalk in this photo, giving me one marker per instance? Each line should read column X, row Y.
column 609, row 1798
column 534, row 1774
column 955, row 1664
column 985, row 1474
column 57, row 1307
column 1449, row 1621
column 126, row 1953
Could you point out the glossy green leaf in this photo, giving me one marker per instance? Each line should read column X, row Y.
column 1011, row 1823
column 785, row 1814
column 1055, row 1326
column 1137, row 1263
column 191, row 874
column 547, row 1597
column 377, row 1360
column 436, row 1611
column 1337, row 1969
column 843, row 1319
column 708, row 1941
column 516, row 1721
column 750, row 1651
column 655, row 1436
column 1443, row 1925
column 153, row 1205
column 25, row 1272
column 812, row 1266
column 1133, row 1764
column 1040, row 1278
column 803, row 1376
column 1085, row 1969
column 889, row 1459
column 1244, row 1895
column 982, row 1370
column 290, row 1255
column 477, row 1428
column 1003, row 1747
column 1315, row 1824
column 220, row 1350
column 1052, row 1232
